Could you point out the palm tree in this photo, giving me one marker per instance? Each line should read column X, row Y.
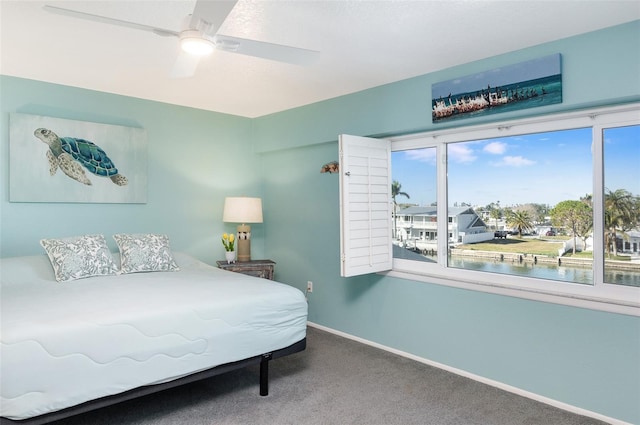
column 496, row 214
column 396, row 190
column 587, row 199
column 519, row 220
column 619, row 215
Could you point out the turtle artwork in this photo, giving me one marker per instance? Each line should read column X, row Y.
column 74, row 155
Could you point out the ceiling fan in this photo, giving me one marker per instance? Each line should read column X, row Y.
column 200, row 37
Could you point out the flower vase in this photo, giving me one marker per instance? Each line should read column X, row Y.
column 230, row 256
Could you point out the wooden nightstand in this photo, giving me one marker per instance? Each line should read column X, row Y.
column 258, row 268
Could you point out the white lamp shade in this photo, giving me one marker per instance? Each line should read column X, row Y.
column 242, row 210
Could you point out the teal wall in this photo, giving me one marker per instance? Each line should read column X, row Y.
column 588, row 359
column 195, row 159
column 584, row 358
column 599, row 68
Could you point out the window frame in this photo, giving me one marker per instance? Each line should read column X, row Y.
column 600, row 295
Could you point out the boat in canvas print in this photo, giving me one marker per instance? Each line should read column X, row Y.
column 529, row 84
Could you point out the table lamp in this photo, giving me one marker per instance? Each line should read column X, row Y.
column 243, row 210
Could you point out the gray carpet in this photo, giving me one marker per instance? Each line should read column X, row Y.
column 335, row 381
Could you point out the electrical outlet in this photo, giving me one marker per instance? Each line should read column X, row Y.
column 309, row 286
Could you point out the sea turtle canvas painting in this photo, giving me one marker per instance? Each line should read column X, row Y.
column 73, row 156
column 59, row 160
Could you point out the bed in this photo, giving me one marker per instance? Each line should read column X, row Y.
column 68, row 347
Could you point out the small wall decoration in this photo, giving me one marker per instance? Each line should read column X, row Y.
column 59, row 160
column 330, row 167
column 529, row 84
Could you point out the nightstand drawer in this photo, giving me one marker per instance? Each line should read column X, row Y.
column 257, row 268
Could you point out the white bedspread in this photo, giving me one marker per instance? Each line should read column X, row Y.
column 66, row 343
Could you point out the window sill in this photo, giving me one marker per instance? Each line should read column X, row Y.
column 490, row 283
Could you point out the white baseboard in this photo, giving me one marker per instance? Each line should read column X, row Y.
column 496, row 384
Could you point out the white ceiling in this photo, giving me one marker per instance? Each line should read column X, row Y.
column 362, row 44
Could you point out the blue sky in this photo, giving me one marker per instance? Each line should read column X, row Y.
column 543, row 168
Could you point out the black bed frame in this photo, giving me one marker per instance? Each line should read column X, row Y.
column 88, row 406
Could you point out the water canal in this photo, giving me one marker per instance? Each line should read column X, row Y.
column 564, row 273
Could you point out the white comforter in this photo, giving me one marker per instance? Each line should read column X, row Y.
column 66, row 343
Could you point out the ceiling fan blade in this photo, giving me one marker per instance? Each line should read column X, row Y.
column 207, row 18
column 185, row 65
column 106, row 20
column 208, row 15
column 262, row 49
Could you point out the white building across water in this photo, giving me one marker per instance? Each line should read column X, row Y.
column 417, row 227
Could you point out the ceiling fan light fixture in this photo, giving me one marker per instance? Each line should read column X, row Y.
column 192, row 41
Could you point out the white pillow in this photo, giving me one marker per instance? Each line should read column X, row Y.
column 79, row 256
column 145, row 253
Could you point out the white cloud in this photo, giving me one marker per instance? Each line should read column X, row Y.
column 496, row 148
column 459, row 152
column 424, row 155
column 514, row 161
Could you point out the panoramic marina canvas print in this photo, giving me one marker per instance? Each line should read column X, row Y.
column 60, row 160
column 529, row 84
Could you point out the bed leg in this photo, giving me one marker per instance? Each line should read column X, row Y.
column 264, row 374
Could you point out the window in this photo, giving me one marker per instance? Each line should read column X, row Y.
column 545, row 208
column 621, row 146
column 414, row 229
column 506, row 194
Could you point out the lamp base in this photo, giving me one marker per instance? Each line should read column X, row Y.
column 244, row 243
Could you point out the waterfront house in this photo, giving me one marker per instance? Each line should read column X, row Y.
column 632, row 243
column 417, row 227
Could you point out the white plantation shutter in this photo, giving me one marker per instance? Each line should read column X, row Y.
column 365, row 205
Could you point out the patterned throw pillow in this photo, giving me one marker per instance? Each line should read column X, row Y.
column 145, row 253
column 79, row 256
